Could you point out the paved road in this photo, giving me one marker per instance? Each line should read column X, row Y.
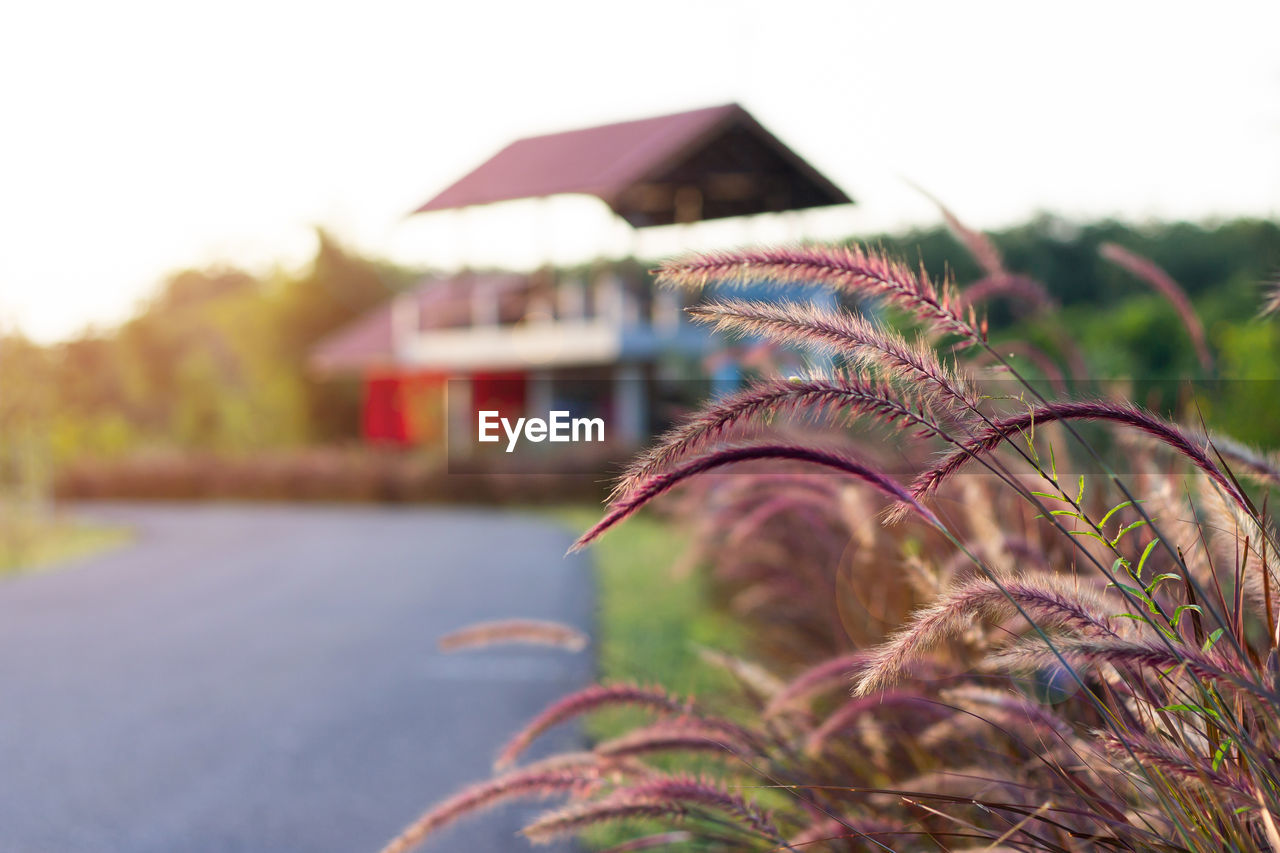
column 263, row 678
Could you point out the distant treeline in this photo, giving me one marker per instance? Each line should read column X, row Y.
column 215, row 360
column 1204, row 258
column 1123, row 330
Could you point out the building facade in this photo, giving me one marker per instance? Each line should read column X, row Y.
column 599, row 341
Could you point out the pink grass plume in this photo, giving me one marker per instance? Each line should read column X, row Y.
column 534, row 632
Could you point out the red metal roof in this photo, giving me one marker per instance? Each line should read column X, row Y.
column 368, row 342
column 637, row 167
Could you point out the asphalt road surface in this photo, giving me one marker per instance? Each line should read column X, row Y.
column 264, row 678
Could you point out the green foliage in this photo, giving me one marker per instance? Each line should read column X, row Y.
column 338, row 287
column 1063, row 255
column 217, row 360
column 25, row 469
column 1249, row 404
column 652, row 618
column 34, row 544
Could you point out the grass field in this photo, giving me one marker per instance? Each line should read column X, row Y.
column 37, row 546
column 651, row 621
column 652, row 618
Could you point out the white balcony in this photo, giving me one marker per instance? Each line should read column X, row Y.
column 528, row 345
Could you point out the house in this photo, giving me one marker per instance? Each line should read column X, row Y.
column 597, row 341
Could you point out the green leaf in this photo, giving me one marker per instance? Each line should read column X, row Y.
column 1147, row 620
column 1142, row 561
column 1193, row 709
column 1177, row 613
column 1128, row 527
column 1138, row 594
column 1221, row 752
column 1113, row 511
column 1213, row 638
column 1158, row 579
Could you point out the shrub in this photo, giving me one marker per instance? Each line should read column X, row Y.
column 361, row 475
column 1060, row 634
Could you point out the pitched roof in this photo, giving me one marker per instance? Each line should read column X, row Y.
column 369, row 341
column 703, row 164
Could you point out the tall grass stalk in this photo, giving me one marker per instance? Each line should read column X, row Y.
column 1043, row 654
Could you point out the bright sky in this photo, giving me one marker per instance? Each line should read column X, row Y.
column 140, row 137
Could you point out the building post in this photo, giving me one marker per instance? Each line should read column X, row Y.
column 540, row 395
column 630, row 405
column 404, row 324
column 460, row 418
